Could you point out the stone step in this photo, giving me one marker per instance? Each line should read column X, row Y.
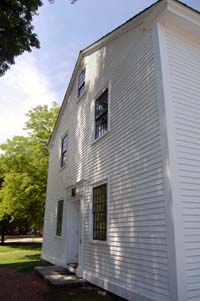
column 72, row 267
column 57, row 276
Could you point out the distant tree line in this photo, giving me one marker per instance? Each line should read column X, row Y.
column 23, row 172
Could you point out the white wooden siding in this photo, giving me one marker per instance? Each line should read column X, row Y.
column 183, row 55
column 136, row 257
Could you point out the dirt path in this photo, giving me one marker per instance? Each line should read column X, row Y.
column 18, row 286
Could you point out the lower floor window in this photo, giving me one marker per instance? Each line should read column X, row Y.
column 59, row 218
column 100, row 212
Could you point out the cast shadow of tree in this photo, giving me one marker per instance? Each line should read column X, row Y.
column 137, row 252
column 23, row 245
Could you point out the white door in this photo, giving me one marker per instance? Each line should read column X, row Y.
column 74, row 231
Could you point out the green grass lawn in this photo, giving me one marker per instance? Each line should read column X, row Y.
column 22, row 256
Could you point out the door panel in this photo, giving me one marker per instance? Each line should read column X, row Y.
column 74, row 231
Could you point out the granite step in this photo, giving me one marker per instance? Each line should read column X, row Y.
column 72, row 267
column 58, row 276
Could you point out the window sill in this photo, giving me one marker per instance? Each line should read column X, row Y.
column 59, row 237
column 101, row 137
column 99, row 242
column 81, row 96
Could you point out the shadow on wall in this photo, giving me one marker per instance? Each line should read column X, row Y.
column 137, row 251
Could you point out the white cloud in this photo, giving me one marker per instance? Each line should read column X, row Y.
column 23, row 87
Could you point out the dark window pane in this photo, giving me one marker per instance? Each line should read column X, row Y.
column 101, row 104
column 101, row 114
column 101, row 126
column 73, row 192
column 81, row 90
column 64, row 143
column 100, row 212
column 64, row 151
column 64, row 159
column 81, row 83
column 59, row 218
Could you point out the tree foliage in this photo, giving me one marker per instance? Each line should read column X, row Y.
column 23, row 170
column 16, row 29
column 37, row 124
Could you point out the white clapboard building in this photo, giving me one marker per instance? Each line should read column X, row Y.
column 123, row 195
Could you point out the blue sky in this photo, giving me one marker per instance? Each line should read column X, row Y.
column 42, row 76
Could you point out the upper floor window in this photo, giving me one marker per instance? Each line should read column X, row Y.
column 100, row 212
column 64, row 150
column 101, row 114
column 81, row 83
column 59, row 218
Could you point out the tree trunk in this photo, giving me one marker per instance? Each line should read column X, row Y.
column 2, row 237
column 3, row 229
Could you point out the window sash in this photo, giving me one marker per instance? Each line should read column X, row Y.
column 101, row 126
column 100, row 212
column 64, row 145
column 101, row 114
column 59, row 218
column 81, row 83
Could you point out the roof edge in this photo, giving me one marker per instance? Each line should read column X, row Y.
column 115, row 33
column 64, row 102
column 92, row 47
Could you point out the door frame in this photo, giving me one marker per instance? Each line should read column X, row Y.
column 79, row 197
column 73, row 247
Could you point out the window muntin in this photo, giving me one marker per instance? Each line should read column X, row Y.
column 81, row 83
column 64, row 145
column 101, row 114
column 59, row 218
column 100, row 212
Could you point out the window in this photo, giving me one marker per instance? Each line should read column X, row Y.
column 59, row 218
column 73, row 192
column 64, row 150
column 100, row 212
column 101, row 114
column 81, row 83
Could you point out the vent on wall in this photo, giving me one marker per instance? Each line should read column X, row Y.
column 73, row 191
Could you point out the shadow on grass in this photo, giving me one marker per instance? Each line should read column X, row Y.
column 23, row 256
column 34, row 257
column 23, row 245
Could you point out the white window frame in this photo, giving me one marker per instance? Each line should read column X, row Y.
column 93, row 185
column 101, row 91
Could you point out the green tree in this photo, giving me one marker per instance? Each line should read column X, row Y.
column 16, row 29
column 16, row 32
column 23, row 167
column 40, row 122
column 3, row 217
